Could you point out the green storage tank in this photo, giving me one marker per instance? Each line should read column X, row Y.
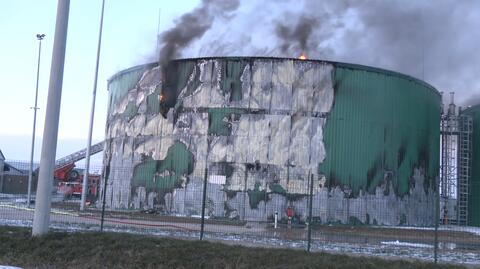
column 369, row 137
column 474, row 183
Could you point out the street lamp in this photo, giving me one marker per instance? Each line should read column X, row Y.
column 85, row 185
column 30, row 172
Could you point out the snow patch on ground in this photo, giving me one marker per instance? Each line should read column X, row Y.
column 473, row 230
column 22, row 198
column 406, row 244
column 468, row 229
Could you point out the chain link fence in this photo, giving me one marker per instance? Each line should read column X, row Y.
column 249, row 211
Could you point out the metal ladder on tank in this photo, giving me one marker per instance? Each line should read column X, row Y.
column 79, row 155
column 448, row 172
column 464, row 167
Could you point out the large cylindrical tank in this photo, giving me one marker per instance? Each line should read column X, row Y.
column 264, row 126
column 474, row 181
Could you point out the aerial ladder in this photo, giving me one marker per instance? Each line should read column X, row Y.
column 69, row 178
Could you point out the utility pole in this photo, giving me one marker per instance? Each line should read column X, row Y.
column 41, row 219
column 30, row 172
column 92, row 113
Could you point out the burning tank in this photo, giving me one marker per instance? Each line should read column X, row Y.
column 259, row 129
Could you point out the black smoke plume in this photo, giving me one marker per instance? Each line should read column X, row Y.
column 433, row 41
column 193, row 25
column 296, row 37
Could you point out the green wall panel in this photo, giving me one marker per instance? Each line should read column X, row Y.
column 231, row 73
column 124, row 81
column 164, row 175
column 381, row 126
column 474, row 187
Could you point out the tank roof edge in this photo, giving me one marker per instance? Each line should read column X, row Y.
column 121, row 72
column 337, row 64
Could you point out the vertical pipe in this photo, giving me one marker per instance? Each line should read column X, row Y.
column 158, row 31
column 41, row 219
column 276, row 220
column 1, row 174
column 436, row 219
column 204, row 197
column 92, row 113
column 244, row 200
column 310, row 214
column 32, row 150
column 104, row 195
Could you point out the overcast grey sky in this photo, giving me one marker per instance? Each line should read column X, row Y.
column 432, row 40
column 436, row 41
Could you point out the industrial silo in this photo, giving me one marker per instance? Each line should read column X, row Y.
column 262, row 127
column 472, row 165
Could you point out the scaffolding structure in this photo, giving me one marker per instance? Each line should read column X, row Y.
column 456, row 149
column 449, row 133
column 465, row 124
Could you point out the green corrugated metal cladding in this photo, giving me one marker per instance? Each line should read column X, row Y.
column 382, row 125
column 474, row 186
column 122, row 82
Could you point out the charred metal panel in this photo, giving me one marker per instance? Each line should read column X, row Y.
column 262, row 126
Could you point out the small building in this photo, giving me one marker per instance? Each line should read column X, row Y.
column 13, row 178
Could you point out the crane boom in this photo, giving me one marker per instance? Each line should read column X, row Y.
column 77, row 156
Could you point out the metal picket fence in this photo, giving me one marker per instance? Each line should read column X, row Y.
column 245, row 210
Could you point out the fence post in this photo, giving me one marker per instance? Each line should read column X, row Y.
column 244, row 194
column 437, row 218
column 204, row 197
column 104, row 196
column 310, row 213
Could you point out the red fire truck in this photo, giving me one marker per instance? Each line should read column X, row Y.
column 70, row 179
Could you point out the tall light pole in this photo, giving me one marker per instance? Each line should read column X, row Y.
column 41, row 218
column 92, row 112
column 39, row 38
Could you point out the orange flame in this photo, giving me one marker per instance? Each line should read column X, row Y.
column 302, row 56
